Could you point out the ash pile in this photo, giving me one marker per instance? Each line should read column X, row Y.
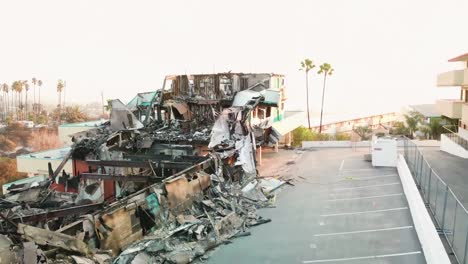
column 167, row 179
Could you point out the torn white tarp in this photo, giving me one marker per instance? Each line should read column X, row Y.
column 246, row 154
column 122, row 118
column 220, row 130
column 281, row 128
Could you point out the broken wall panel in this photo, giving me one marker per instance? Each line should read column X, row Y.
column 118, row 228
column 45, row 237
column 181, row 192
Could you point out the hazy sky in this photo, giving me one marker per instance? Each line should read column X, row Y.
column 386, row 54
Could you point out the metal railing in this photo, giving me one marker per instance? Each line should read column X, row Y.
column 449, row 213
column 457, row 139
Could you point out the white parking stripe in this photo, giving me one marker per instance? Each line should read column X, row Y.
column 368, row 186
column 371, row 177
column 365, row 257
column 376, row 170
column 364, row 231
column 365, row 197
column 366, row 212
column 341, row 166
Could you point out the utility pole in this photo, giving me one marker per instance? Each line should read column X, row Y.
column 64, row 91
column 102, row 103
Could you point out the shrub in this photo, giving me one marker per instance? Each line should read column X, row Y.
column 304, row 134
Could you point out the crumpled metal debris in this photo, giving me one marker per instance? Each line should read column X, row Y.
column 162, row 182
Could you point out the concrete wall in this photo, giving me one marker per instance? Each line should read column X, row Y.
column 334, row 144
column 362, row 144
column 40, row 165
column 447, row 145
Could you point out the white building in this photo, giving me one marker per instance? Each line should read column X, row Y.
column 37, row 163
column 455, row 142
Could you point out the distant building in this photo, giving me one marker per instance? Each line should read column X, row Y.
column 428, row 111
column 66, row 131
column 37, row 163
column 334, row 125
column 455, row 110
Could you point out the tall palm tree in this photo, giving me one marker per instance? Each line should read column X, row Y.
column 26, row 88
column 17, row 87
column 64, row 93
column 306, row 66
column 39, row 83
column 326, row 69
column 60, row 86
column 34, row 82
column 4, row 89
column 3, row 105
column 12, row 101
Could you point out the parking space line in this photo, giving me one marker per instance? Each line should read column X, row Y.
column 341, row 166
column 371, row 177
column 364, row 231
column 366, row 212
column 367, row 186
column 376, row 170
column 365, row 257
column 365, row 197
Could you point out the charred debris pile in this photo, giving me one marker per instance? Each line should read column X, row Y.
column 168, row 178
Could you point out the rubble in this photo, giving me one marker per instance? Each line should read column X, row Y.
column 162, row 182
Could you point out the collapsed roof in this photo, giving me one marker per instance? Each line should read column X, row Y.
column 164, row 180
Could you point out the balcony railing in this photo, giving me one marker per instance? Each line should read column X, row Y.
column 457, row 139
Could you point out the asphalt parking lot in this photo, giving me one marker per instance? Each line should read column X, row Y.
column 342, row 210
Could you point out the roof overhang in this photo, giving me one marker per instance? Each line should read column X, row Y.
column 463, row 57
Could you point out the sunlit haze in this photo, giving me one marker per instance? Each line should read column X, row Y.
column 386, row 54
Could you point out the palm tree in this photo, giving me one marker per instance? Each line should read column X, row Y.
column 306, row 66
column 64, row 93
column 26, row 88
column 3, row 105
column 17, row 87
column 5, row 89
column 12, row 105
column 34, row 82
column 60, row 86
column 39, row 83
column 12, row 100
column 326, row 69
column 412, row 121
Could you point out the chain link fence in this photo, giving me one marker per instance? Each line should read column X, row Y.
column 449, row 213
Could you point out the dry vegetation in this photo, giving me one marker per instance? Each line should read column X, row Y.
column 15, row 136
column 8, row 171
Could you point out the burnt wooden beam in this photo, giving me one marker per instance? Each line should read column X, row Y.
column 140, row 164
column 119, row 163
column 75, row 210
column 161, row 157
column 132, row 178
